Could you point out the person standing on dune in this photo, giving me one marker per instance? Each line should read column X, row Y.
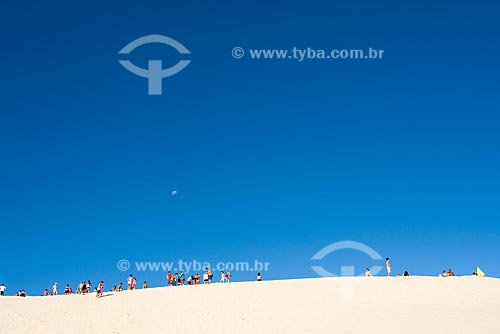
column 197, row 278
column 222, row 277
column 129, row 282
column 205, row 276
column 84, row 288
column 169, row 278
column 388, row 266
column 2, row 289
column 210, row 276
column 100, row 289
column 54, row 289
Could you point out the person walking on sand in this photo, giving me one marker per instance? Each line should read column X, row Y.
column 2, row 289
column 368, row 272
column 388, row 266
column 54, row 289
column 145, row 285
column 100, row 289
column 259, row 277
column 228, row 276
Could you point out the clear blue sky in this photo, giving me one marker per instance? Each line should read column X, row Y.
column 272, row 160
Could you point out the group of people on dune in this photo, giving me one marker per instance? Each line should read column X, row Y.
column 448, row 273
column 82, row 289
column 445, row 273
column 180, row 279
column 207, row 278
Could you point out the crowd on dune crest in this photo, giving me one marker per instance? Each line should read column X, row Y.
column 176, row 279
column 85, row 287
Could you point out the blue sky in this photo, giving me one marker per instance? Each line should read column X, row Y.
column 272, row 160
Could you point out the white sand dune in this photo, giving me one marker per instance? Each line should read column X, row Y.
column 328, row 305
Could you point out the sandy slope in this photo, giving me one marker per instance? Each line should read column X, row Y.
column 329, row 305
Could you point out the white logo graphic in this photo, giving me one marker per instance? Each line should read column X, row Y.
column 345, row 270
column 155, row 73
column 123, row 265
